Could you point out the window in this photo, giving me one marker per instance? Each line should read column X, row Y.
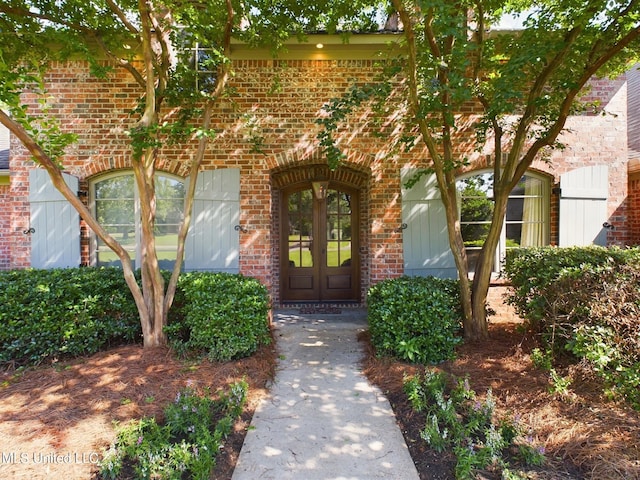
column 527, row 219
column 116, row 206
column 203, row 64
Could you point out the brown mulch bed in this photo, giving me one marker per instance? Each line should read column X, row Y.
column 56, row 420
column 584, row 435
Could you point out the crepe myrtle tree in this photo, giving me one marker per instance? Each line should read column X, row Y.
column 149, row 40
column 527, row 82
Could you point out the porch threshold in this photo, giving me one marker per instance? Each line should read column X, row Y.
column 320, row 307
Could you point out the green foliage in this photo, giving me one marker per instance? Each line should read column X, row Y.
column 49, row 314
column 542, row 360
column 559, row 384
column 584, row 302
column 456, row 420
column 46, row 314
column 221, row 316
column 184, row 447
column 415, row 318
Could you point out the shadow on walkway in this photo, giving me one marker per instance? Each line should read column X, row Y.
column 322, row 419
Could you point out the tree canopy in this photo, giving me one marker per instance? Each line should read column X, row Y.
column 517, row 87
column 177, row 88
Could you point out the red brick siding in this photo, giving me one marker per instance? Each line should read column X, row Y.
column 281, row 122
column 600, row 140
column 634, row 209
column 5, row 227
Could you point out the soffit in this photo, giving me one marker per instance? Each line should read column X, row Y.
column 334, row 47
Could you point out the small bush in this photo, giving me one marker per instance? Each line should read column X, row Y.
column 221, row 316
column 184, row 447
column 585, row 302
column 46, row 314
column 415, row 318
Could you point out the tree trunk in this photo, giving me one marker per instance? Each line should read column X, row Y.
column 152, row 280
column 450, row 201
column 484, row 266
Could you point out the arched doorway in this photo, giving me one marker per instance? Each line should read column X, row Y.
column 319, row 243
column 320, row 223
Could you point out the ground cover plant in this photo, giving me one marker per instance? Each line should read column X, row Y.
column 458, row 421
column 584, row 304
column 186, row 445
column 585, row 436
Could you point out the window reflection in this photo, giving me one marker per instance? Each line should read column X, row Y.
column 300, row 206
column 116, row 204
column 526, row 222
column 338, row 229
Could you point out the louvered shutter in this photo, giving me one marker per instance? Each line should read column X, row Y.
column 212, row 242
column 583, row 206
column 425, row 240
column 55, row 224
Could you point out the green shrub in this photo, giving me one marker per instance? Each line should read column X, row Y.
column 184, row 447
column 46, row 314
column 534, row 274
column 221, row 316
column 586, row 302
column 415, row 318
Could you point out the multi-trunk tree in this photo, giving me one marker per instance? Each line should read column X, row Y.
column 153, row 42
column 523, row 85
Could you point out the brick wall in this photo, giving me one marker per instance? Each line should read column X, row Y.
column 634, row 208
column 267, row 128
column 602, row 139
column 5, row 227
column 596, row 139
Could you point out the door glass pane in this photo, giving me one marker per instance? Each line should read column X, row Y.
column 300, row 238
column 338, row 229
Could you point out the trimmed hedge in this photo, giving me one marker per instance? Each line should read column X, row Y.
column 221, row 316
column 46, row 314
column 50, row 314
column 585, row 302
column 417, row 319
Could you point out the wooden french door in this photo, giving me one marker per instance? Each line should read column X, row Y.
column 319, row 244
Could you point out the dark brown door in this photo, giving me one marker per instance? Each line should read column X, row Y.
column 320, row 245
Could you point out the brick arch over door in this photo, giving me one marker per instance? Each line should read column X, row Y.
column 300, row 157
column 355, row 178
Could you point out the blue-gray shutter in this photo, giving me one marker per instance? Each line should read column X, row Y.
column 583, row 206
column 425, row 240
column 212, row 242
column 55, row 238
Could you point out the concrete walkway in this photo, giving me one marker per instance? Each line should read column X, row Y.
column 322, row 419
